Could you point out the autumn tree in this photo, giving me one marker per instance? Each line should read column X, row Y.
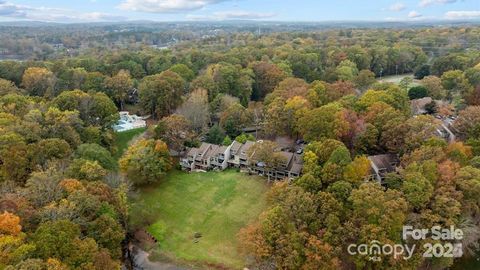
column 267, row 77
column 159, row 94
column 174, row 130
column 7, row 87
column 39, row 82
column 195, row 109
column 118, row 86
column 266, row 153
column 146, row 161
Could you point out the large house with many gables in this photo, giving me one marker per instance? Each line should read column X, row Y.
column 216, row 157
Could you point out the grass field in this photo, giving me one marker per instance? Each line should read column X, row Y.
column 123, row 138
column 215, row 204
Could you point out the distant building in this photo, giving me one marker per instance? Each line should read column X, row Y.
column 129, row 122
column 216, row 157
column 382, row 165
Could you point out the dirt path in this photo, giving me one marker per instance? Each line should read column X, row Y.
column 143, row 263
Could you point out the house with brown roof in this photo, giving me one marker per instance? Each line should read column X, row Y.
column 216, row 157
column 382, row 165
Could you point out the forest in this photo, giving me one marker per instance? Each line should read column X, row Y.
column 64, row 197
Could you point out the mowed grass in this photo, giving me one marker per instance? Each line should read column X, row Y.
column 215, row 204
column 123, row 138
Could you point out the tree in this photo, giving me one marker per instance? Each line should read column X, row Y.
column 61, row 240
column 405, row 83
column 267, row 77
column 364, row 79
column 146, row 161
column 455, row 82
column 108, row 234
column 319, row 123
column 50, row 149
column 184, row 71
column 232, row 79
column 118, row 86
column 417, row 189
column 94, row 108
column 215, row 135
column 473, row 76
column 422, row 72
column 346, row 70
column 9, row 224
column 468, row 122
column 84, row 169
column 95, row 152
column 265, row 152
column 434, row 87
column 227, row 141
column 357, row 171
column 288, row 88
column 8, row 87
column 243, row 138
column 175, row 130
column 195, row 109
column 39, row 82
column 159, row 93
column 234, row 119
column 417, row 92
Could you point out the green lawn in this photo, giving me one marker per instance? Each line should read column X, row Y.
column 215, row 204
column 123, row 138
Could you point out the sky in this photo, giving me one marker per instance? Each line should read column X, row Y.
column 216, row 10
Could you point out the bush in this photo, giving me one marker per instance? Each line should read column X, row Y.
column 417, row 92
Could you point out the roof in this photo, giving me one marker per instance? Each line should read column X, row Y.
column 220, row 150
column 236, row 146
column 245, row 147
column 386, row 162
column 192, row 152
column 288, row 156
column 418, row 105
column 202, row 152
column 296, row 168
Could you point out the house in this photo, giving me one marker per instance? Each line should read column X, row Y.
column 296, row 167
column 203, row 156
column 444, row 132
column 382, row 165
column 419, row 105
column 234, row 156
column 217, row 157
column 129, row 122
column 220, row 156
column 243, row 154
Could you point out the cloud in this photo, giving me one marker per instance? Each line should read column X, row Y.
column 413, row 14
column 425, row 3
column 231, row 15
column 397, row 7
column 10, row 10
column 166, row 6
column 455, row 15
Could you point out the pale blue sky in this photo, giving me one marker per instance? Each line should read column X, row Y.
column 274, row 10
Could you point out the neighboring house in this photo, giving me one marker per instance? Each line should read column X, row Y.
column 234, row 156
column 132, row 96
column 243, row 154
column 215, row 157
column 220, row 157
column 444, row 132
column 383, row 164
column 418, row 105
column 129, row 122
